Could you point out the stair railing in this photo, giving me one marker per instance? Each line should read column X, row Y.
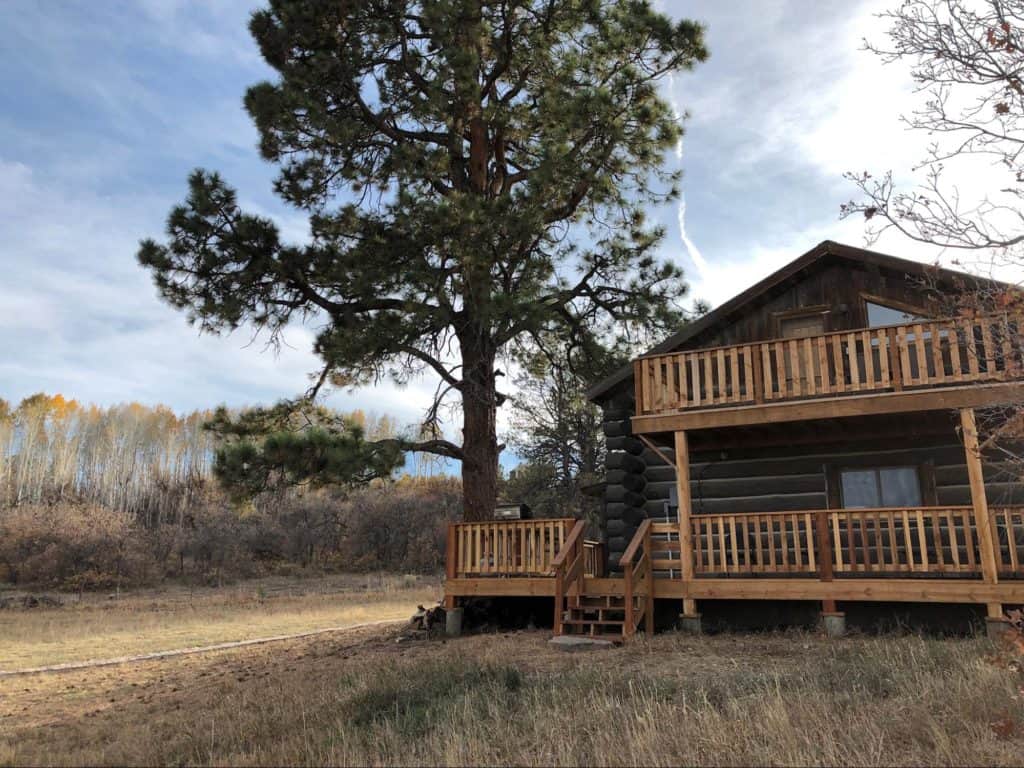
column 568, row 567
column 638, row 574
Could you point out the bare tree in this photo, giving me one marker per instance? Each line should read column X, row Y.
column 967, row 60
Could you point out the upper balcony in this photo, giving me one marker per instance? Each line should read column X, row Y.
column 922, row 365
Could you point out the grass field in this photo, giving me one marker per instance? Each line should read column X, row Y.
column 97, row 627
column 365, row 697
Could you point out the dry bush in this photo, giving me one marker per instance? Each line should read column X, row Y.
column 74, row 546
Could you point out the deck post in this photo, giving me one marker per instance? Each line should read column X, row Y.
column 982, row 522
column 451, row 558
column 823, row 543
column 682, row 447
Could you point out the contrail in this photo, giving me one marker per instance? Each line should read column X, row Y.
column 691, row 249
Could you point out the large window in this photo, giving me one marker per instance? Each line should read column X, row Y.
column 880, row 487
column 880, row 314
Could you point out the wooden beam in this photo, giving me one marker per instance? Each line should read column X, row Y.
column 982, row 522
column 657, row 451
column 685, row 508
column 847, row 590
column 540, row 586
column 934, row 399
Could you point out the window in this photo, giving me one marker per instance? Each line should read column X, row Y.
column 879, row 314
column 798, row 326
column 880, row 487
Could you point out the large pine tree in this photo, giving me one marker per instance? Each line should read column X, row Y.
column 475, row 172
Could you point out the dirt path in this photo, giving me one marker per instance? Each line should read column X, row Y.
column 74, row 665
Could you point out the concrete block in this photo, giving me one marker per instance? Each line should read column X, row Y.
column 579, row 643
column 996, row 627
column 835, row 624
column 453, row 622
column 690, row 624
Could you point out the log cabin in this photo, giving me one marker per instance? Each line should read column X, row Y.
column 812, row 439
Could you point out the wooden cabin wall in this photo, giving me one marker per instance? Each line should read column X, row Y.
column 839, row 286
column 774, row 478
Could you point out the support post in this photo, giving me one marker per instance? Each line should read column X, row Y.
column 982, row 522
column 823, row 542
column 451, row 558
column 682, row 447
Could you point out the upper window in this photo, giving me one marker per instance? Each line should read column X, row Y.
column 881, row 487
column 879, row 314
column 798, row 326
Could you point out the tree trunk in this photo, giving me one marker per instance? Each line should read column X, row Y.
column 479, row 435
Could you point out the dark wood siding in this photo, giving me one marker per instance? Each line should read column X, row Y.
column 837, row 287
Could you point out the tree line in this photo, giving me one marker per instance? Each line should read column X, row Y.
column 94, row 497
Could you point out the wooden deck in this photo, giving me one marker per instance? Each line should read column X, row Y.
column 922, row 554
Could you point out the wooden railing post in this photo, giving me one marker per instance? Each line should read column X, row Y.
column 685, row 527
column 758, row 364
column 825, row 557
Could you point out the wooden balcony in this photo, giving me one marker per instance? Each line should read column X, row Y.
column 899, row 361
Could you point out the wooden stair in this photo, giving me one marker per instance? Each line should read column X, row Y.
column 595, row 614
column 602, row 616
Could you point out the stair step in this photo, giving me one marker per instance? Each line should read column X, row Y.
column 588, row 609
column 589, row 622
column 601, row 601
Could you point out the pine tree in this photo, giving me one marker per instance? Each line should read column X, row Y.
column 475, row 172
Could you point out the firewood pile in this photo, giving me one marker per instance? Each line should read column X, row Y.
column 426, row 622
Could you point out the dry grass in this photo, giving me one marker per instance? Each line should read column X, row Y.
column 363, row 698
column 177, row 617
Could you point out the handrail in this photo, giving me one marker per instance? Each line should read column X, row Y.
column 568, row 570
column 639, row 571
column 577, row 531
column 634, row 545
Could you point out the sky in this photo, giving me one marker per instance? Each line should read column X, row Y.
column 106, row 107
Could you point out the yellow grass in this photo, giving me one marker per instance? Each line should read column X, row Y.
column 160, row 620
column 361, row 697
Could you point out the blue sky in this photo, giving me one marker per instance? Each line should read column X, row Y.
column 105, row 107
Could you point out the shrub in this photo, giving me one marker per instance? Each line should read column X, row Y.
column 74, row 546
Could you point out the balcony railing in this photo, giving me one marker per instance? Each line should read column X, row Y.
column 914, row 355
column 846, row 542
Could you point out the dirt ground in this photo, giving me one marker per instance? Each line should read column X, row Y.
column 370, row 696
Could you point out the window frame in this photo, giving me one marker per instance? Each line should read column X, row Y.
column 925, row 477
column 791, row 314
column 894, row 304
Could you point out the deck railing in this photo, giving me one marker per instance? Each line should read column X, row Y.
column 913, row 355
column 855, row 541
column 506, row 548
